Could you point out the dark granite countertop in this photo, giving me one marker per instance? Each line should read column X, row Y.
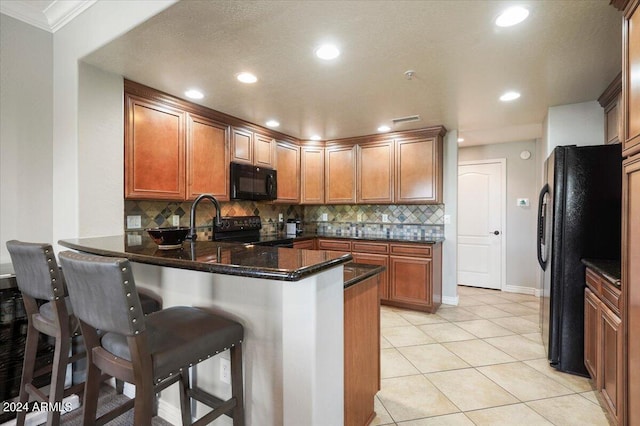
column 358, row 272
column 275, row 263
column 609, row 269
column 391, row 239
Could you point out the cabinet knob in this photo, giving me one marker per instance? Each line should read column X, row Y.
column 495, row 232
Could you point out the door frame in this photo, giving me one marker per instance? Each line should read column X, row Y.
column 503, row 208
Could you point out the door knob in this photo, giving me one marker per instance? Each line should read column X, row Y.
column 495, row 232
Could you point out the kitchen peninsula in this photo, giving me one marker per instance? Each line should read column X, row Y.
column 295, row 307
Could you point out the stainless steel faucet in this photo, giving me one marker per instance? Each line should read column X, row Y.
column 192, row 216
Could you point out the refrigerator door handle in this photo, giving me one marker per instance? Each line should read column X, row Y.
column 541, row 225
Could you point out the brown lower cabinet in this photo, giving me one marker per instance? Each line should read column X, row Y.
column 603, row 341
column 361, row 351
column 305, row 244
column 413, row 279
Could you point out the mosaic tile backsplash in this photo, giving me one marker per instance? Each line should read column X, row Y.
column 402, row 220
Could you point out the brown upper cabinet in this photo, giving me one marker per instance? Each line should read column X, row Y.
column 207, row 158
column 288, row 166
column 611, row 101
column 376, row 169
column 154, row 155
column 340, row 175
column 630, row 84
column 253, row 148
column 312, row 175
column 418, row 176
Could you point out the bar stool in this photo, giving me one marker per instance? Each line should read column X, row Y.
column 151, row 352
column 40, row 279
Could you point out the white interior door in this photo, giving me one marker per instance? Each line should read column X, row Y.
column 481, row 213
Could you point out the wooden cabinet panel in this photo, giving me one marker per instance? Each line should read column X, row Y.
column 411, row 250
column 340, row 175
column 335, row 245
column 264, row 151
column 361, row 351
column 612, row 122
column 207, row 158
column 376, row 259
column 241, row 146
column 631, row 282
column 288, row 167
column 410, row 279
column 611, row 361
column 312, row 172
column 369, row 247
column 305, row 244
column 375, row 167
column 591, row 329
column 418, row 171
column 630, row 81
column 154, row 150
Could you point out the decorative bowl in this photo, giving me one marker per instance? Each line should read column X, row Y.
column 168, row 238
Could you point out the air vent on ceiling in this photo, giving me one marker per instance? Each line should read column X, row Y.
column 408, row 119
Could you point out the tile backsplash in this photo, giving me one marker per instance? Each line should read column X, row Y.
column 401, row 220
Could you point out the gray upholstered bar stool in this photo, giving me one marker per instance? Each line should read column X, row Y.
column 151, row 352
column 40, row 279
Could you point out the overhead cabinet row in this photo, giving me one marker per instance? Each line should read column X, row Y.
column 175, row 150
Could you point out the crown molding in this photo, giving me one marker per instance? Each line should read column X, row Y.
column 53, row 17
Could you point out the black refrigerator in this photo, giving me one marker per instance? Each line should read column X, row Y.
column 579, row 212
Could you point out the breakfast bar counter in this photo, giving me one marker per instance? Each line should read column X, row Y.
column 290, row 302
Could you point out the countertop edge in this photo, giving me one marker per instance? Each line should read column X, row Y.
column 609, row 269
column 373, row 270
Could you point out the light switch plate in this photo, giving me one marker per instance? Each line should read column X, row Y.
column 280, row 217
column 176, row 220
column 325, row 217
column 134, row 222
column 385, row 217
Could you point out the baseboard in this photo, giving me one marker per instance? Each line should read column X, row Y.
column 522, row 290
column 169, row 412
column 451, row 300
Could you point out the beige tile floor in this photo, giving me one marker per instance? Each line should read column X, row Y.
column 479, row 363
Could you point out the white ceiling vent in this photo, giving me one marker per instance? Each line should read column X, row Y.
column 407, row 119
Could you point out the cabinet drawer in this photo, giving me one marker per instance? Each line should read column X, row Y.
column 611, row 297
column 305, row 244
column 593, row 280
column 336, row 245
column 411, row 250
column 362, row 247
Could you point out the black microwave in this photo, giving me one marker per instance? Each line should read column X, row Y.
column 252, row 182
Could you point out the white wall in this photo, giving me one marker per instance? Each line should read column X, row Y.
column 574, row 124
column 520, row 234
column 450, row 245
column 26, row 90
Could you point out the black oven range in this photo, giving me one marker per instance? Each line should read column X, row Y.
column 246, row 229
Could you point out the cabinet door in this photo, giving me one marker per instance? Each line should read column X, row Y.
column 591, row 328
column 376, row 259
column 340, row 175
column 630, row 81
column 312, row 171
column 375, row 173
column 288, row 167
column 419, row 171
column 154, row 151
column 207, row 158
column 611, row 361
column 264, row 151
column 410, row 281
column 241, row 146
column 631, row 282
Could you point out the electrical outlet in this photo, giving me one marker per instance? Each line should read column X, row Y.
column 359, row 217
column 385, row 217
column 134, row 222
column 325, row 217
column 447, row 219
column 280, row 217
column 176, row 220
column 225, row 371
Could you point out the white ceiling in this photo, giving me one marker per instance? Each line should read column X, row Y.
column 565, row 52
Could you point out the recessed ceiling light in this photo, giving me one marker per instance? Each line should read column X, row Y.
column 384, row 128
column 327, row 52
column 272, row 123
column 194, row 94
column 509, row 96
column 315, row 138
column 512, row 16
column 246, row 77
column 460, row 140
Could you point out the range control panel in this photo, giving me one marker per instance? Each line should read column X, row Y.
column 239, row 223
